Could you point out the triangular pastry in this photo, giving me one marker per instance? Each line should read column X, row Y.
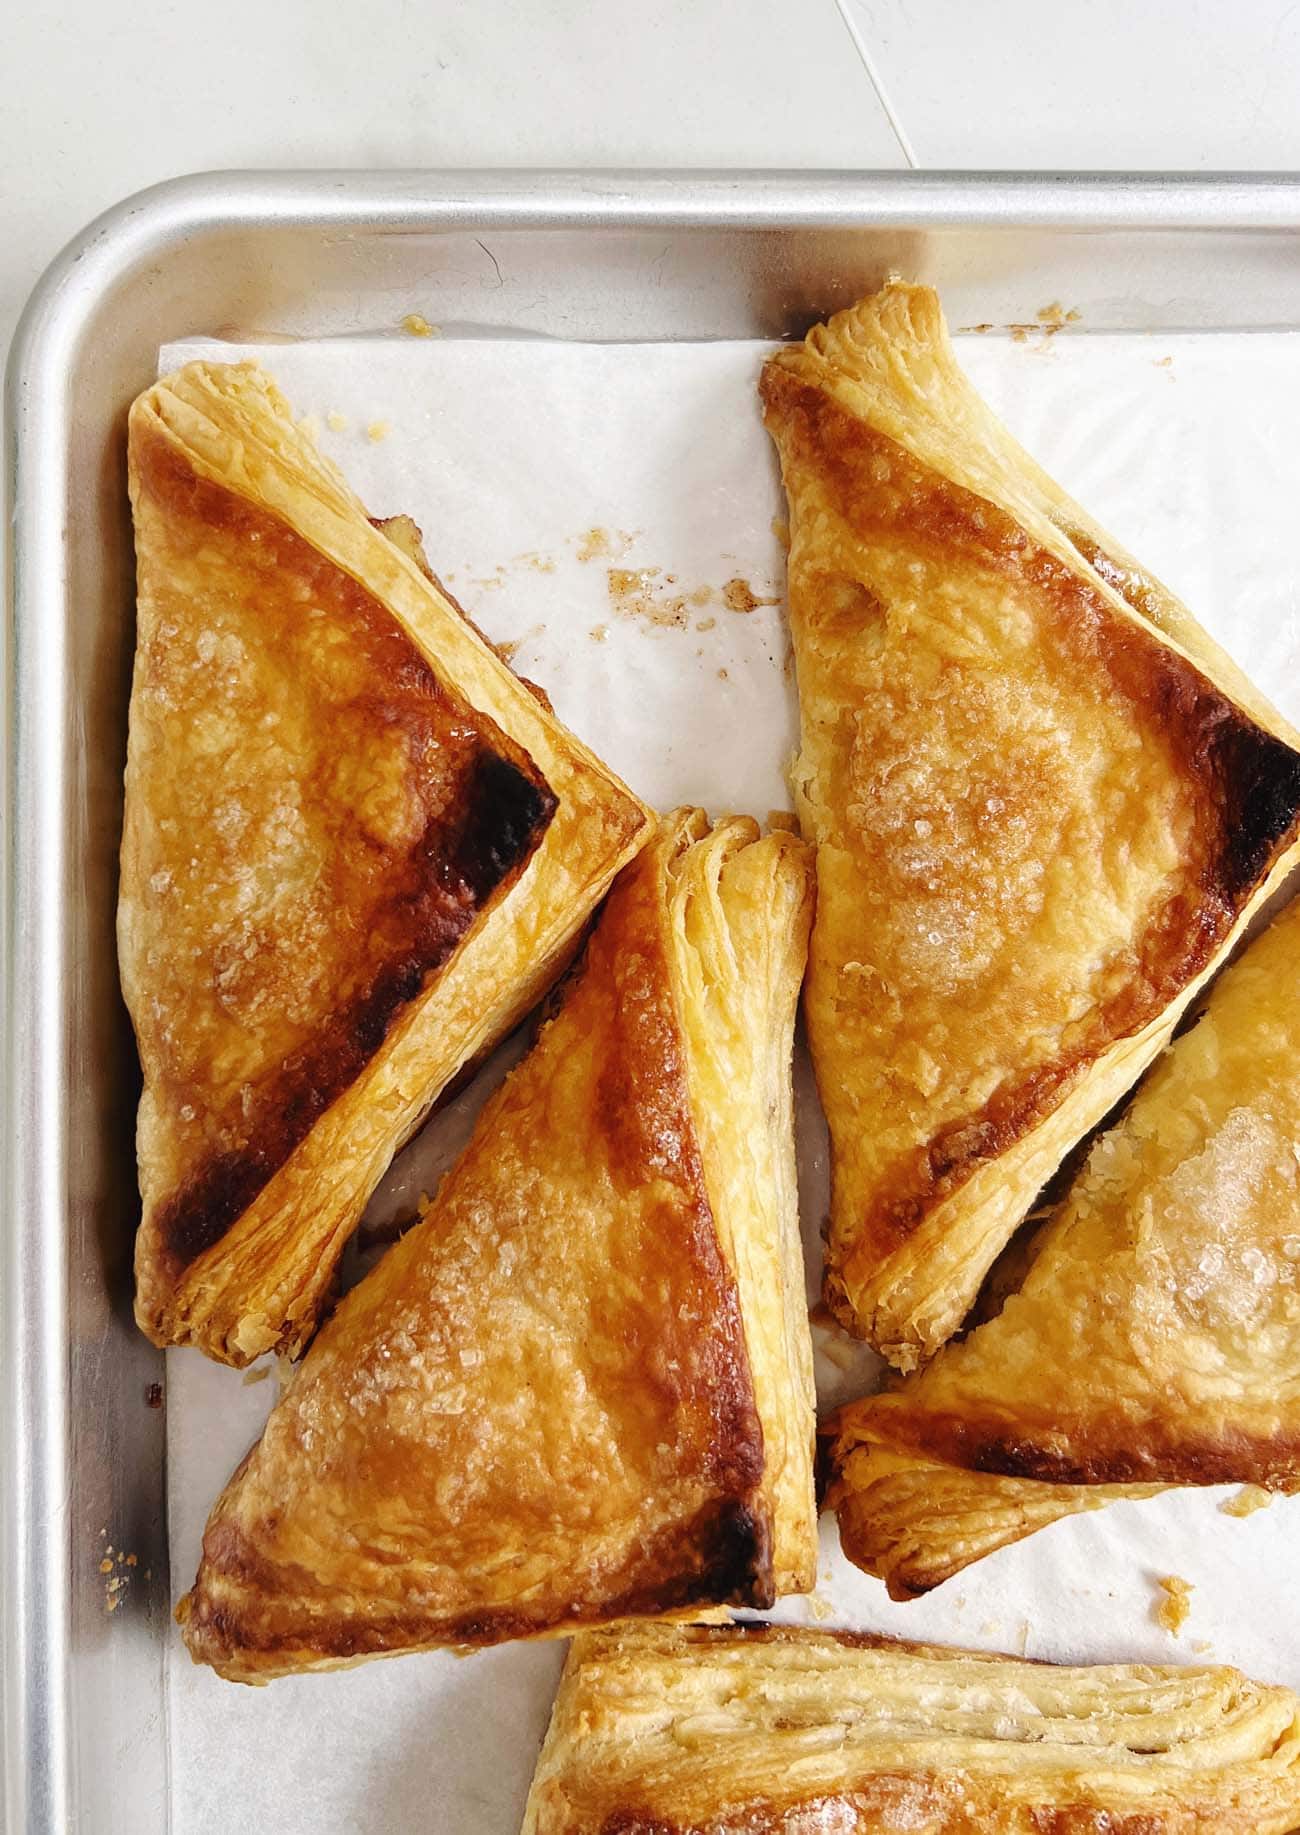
column 776, row 1731
column 1155, row 1339
column 1045, row 804
column 581, row 1387
column 356, row 850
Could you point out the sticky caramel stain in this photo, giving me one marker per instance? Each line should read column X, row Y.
column 415, row 325
column 781, row 528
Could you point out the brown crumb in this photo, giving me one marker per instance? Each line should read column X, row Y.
column 739, row 596
column 636, row 592
column 1247, row 1501
column 984, row 325
column 153, row 1398
column 106, row 1566
column 540, row 563
column 1171, row 1611
column 723, row 676
column 1052, row 318
column 593, row 545
column 131, row 1561
column 507, row 652
column 599, row 544
column 417, row 326
column 598, row 633
column 258, row 1374
column 706, row 624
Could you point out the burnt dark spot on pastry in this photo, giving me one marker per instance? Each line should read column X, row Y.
column 1259, row 777
column 424, row 814
column 504, row 811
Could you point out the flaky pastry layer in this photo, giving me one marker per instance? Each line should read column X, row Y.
column 580, row 1388
column 356, row 850
column 706, row 1731
column 1155, row 1339
column 1045, row 805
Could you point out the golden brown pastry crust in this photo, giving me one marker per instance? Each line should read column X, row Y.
column 1044, row 803
column 665, row 1730
column 355, row 851
column 581, row 1387
column 1155, row 1339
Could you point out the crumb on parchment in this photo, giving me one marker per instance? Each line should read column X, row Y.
column 1247, row 1501
column 336, row 422
column 378, row 430
column 1173, row 1604
column 415, row 325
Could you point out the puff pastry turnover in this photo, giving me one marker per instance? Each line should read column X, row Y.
column 667, row 1730
column 1044, row 804
column 581, row 1388
column 356, row 850
column 1155, row 1340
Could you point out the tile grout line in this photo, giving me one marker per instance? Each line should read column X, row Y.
column 842, row 7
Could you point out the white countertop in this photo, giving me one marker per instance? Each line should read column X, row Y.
column 104, row 98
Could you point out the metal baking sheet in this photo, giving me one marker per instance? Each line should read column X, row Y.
column 598, row 256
